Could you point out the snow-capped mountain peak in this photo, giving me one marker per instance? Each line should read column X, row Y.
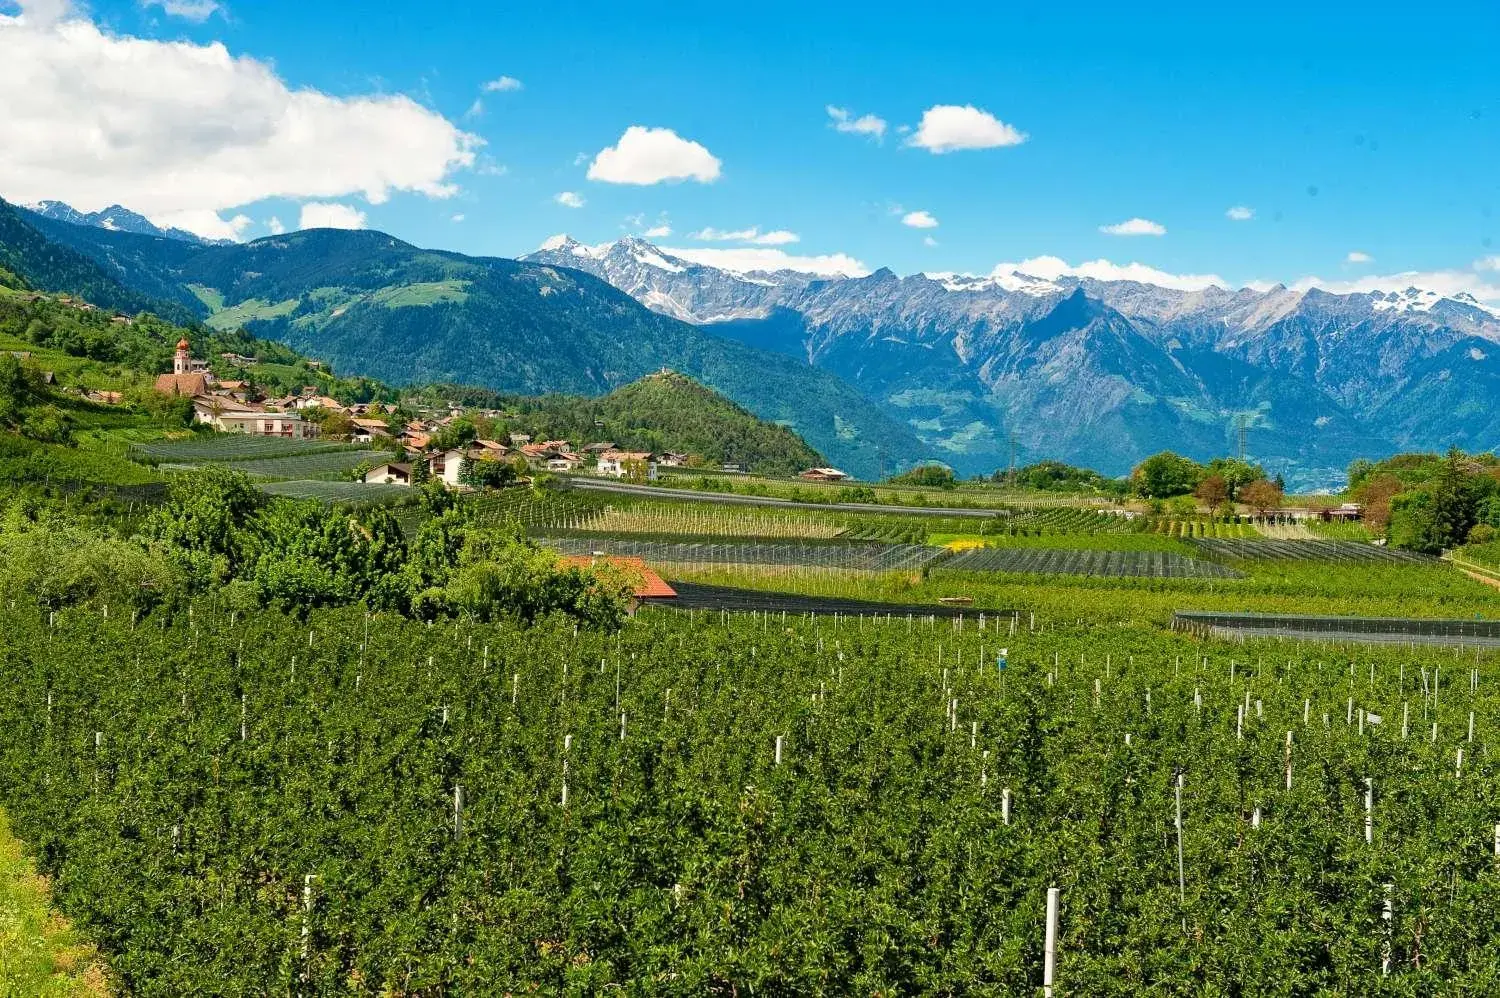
column 116, row 218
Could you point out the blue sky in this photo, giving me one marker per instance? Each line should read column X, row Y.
column 1364, row 130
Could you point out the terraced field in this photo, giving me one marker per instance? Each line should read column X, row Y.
column 338, row 492
column 846, row 557
column 1059, row 561
column 327, row 465
column 1346, row 552
column 231, row 447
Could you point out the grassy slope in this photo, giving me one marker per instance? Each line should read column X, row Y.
column 40, row 954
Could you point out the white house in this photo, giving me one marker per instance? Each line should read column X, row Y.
column 262, row 424
column 447, row 466
column 389, row 474
column 612, row 462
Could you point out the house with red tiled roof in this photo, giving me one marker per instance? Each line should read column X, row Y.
column 644, row 583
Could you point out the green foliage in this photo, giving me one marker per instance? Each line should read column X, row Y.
column 1164, row 475
column 1055, row 476
column 488, row 474
column 59, row 561
column 927, row 476
column 1440, row 514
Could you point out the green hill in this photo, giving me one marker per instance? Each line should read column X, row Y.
column 373, row 305
column 661, row 412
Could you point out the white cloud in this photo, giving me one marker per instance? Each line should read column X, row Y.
column 1134, row 227
column 502, row 85
column 1357, row 257
column 951, row 127
column 39, row 13
column 275, row 226
column 191, row 10
column 1487, row 263
column 458, row 218
column 476, row 109
column 747, row 260
column 658, row 232
column 929, row 241
column 209, row 224
column 330, row 215
column 1240, row 213
column 753, row 235
column 171, row 128
column 568, row 199
column 865, row 124
column 652, row 155
column 1051, row 268
column 919, row 220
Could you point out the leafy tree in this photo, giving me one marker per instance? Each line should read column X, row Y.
column 1164, row 475
column 1213, row 492
column 488, row 474
column 1236, row 473
column 1261, row 496
column 201, row 526
column 929, row 475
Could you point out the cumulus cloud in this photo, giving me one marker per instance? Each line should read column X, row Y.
column 842, row 120
column 330, row 215
column 189, row 131
column 191, row 10
column 919, row 220
column 1357, row 257
column 275, row 226
column 1051, row 267
column 458, row 218
column 1134, row 227
column 658, row 232
column 209, row 224
column 568, row 199
column 753, row 235
column 746, row 260
column 1487, row 263
column 653, row 155
column 1240, row 213
column 502, row 85
column 951, row 127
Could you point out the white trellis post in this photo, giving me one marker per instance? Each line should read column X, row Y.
column 458, row 811
column 1369, row 811
column 1181, row 866
column 778, row 749
column 1049, row 960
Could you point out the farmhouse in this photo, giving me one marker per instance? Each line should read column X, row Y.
column 447, row 466
column 389, row 474
column 614, row 462
column 823, row 475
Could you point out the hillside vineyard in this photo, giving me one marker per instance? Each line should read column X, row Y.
column 358, row 804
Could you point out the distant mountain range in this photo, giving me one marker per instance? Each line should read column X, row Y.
column 1103, row 373
column 373, row 305
column 875, row 372
column 116, row 218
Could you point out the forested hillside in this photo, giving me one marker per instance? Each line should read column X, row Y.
column 661, row 412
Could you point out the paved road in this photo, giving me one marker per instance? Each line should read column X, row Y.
column 625, row 488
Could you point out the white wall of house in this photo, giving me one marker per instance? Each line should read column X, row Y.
column 447, row 466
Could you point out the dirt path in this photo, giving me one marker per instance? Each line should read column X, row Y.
column 40, row 954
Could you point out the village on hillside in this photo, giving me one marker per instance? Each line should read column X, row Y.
column 425, row 450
